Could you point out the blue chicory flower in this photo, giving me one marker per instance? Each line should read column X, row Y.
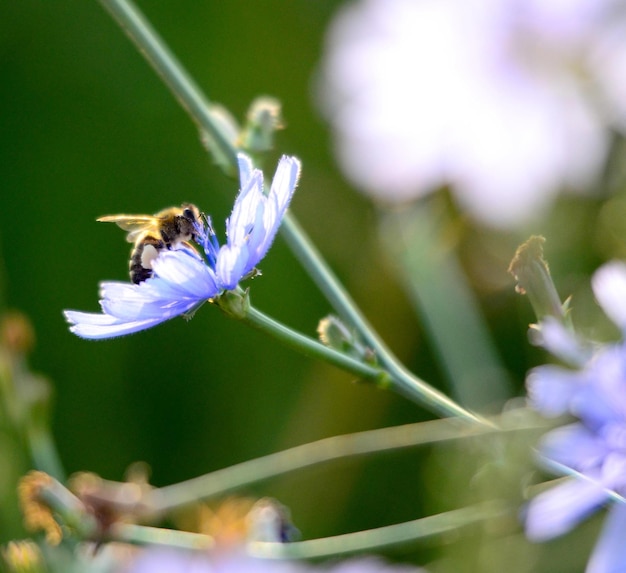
column 593, row 448
column 182, row 279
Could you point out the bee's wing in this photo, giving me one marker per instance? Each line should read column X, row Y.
column 134, row 224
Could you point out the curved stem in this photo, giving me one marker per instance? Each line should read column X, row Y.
column 392, row 374
column 72, row 512
column 403, row 381
column 113, row 495
column 146, row 535
column 313, row 348
column 321, row 451
column 375, row 539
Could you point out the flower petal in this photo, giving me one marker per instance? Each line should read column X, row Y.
column 255, row 219
column 560, row 341
column 557, row 510
column 181, row 283
column 232, row 263
column 245, row 169
column 191, row 277
column 247, row 210
column 574, row 446
column 282, row 190
column 609, row 554
column 99, row 326
column 552, row 388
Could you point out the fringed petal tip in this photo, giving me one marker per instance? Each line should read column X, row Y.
column 94, row 326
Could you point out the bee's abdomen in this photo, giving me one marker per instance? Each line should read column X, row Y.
column 143, row 254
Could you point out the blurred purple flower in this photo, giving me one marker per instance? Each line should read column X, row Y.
column 592, row 449
column 182, row 279
column 507, row 101
column 171, row 561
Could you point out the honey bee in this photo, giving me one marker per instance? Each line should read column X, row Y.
column 151, row 234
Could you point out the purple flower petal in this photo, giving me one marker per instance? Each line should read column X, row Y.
column 551, row 389
column 560, row 341
column 231, row 265
column 181, row 283
column 609, row 554
column 557, row 510
column 255, row 219
column 99, row 326
column 574, row 446
column 281, row 192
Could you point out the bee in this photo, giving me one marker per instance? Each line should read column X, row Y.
column 151, row 234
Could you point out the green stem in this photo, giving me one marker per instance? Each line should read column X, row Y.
column 72, row 512
column 198, row 107
column 391, row 374
column 313, row 348
column 146, row 535
column 322, row 451
column 404, row 381
column 371, row 540
column 157, row 502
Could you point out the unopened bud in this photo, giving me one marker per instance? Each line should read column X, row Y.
column 263, row 120
column 532, row 273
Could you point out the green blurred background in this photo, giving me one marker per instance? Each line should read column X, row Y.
column 88, row 129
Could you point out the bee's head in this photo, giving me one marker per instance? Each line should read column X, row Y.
column 190, row 212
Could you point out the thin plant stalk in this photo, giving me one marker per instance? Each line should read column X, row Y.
column 371, row 540
column 222, row 481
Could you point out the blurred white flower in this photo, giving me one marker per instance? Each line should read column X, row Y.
column 506, row 101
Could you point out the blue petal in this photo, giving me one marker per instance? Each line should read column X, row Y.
column 245, row 211
column 560, row 341
column 183, row 282
column 188, row 275
column 98, row 326
column 125, row 310
column 232, row 262
column 602, row 398
column 285, row 181
column 245, row 169
column 574, row 446
column 551, row 389
column 558, row 510
column 609, row 554
column 281, row 192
